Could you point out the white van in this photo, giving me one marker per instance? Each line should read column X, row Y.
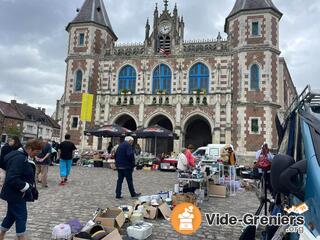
column 211, row 151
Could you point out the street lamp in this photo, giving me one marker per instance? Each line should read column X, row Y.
column 38, row 124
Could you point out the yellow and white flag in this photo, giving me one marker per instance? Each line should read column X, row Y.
column 86, row 107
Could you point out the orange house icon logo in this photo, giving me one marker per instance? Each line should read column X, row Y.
column 186, row 218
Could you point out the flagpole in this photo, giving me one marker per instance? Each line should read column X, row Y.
column 155, row 147
column 83, row 136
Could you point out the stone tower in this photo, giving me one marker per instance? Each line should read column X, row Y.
column 253, row 30
column 167, row 32
column 90, row 37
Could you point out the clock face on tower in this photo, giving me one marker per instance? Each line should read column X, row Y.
column 165, row 27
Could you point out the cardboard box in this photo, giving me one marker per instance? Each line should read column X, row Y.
column 184, row 197
column 165, row 211
column 217, row 191
column 150, row 212
column 113, row 234
column 111, row 217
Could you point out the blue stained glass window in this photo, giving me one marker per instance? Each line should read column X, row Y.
column 254, row 77
column 162, row 79
column 78, row 86
column 199, row 77
column 255, row 28
column 127, row 79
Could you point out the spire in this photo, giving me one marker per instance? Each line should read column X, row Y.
column 147, row 29
column 165, row 5
column 156, row 9
column 219, row 38
column 93, row 11
column 175, row 10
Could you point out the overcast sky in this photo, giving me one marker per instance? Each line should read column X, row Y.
column 33, row 40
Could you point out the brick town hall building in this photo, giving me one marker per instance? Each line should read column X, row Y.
column 210, row 91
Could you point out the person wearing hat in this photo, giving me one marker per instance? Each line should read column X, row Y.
column 189, row 156
column 125, row 163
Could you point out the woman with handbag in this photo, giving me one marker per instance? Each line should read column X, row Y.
column 19, row 187
column 263, row 164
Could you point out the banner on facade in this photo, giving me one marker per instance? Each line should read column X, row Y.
column 86, row 107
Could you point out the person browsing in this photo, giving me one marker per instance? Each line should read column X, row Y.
column 125, row 163
column 189, row 156
column 17, row 188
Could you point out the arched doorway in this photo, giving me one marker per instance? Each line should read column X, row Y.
column 127, row 122
column 198, row 131
column 164, row 145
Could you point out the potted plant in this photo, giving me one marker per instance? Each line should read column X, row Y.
column 159, row 91
column 194, row 91
column 203, row 91
column 124, row 91
column 164, row 92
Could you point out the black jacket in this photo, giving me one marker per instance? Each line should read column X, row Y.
column 19, row 171
column 125, row 156
column 4, row 151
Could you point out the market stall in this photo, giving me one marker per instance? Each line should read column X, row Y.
column 101, row 158
column 155, row 132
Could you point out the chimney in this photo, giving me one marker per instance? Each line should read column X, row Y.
column 13, row 101
column 25, row 104
column 43, row 110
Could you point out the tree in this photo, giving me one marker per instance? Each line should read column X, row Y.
column 14, row 131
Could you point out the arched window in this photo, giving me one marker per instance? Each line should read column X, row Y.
column 199, row 77
column 162, row 79
column 127, row 79
column 165, row 44
column 254, row 77
column 78, row 86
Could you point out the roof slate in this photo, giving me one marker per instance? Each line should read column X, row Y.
column 93, row 11
column 9, row 111
column 243, row 5
column 34, row 114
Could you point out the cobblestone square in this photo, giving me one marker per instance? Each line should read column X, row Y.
column 90, row 188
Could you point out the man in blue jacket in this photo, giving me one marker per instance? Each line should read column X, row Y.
column 125, row 163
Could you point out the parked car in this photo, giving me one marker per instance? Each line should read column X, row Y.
column 299, row 137
column 211, row 151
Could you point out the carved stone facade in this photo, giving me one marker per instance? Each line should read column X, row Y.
column 228, row 109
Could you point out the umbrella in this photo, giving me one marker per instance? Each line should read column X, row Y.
column 154, row 131
column 112, row 130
